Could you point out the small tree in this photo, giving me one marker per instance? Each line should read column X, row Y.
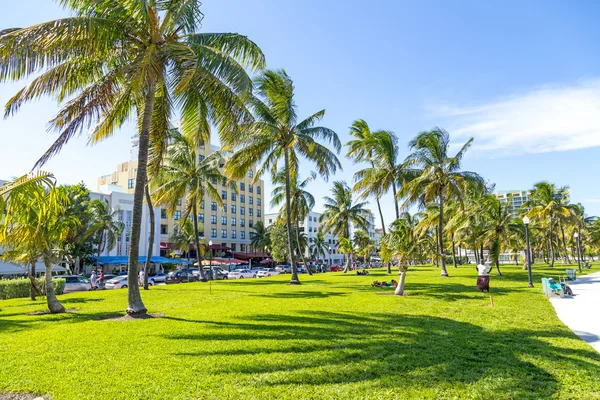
column 279, row 242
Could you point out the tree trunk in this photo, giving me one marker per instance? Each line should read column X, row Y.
column 151, row 238
column 197, row 244
column 481, row 253
column 299, row 248
column 294, row 280
column 498, row 266
column 444, row 273
column 394, row 190
column 562, row 229
column 552, row 256
column 400, row 288
column 77, row 265
column 53, row 304
column 34, row 291
column 453, row 252
column 135, row 305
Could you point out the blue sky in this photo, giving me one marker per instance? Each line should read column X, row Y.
column 522, row 78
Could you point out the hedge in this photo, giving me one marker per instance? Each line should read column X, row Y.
column 21, row 287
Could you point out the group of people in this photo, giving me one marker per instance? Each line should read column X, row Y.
column 97, row 279
column 393, row 283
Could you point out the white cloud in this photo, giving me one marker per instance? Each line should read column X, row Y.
column 544, row 119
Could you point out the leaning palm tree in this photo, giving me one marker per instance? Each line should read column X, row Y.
column 302, row 201
column 184, row 178
column 260, row 237
column 437, row 177
column 34, row 225
column 402, row 244
column 278, row 135
column 341, row 212
column 105, row 224
column 113, row 60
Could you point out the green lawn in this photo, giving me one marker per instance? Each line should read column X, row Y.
column 334, row 337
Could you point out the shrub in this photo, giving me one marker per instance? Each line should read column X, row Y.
column 20, row 287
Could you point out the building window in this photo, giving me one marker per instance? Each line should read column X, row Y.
column 175, row 230
column 200, row 158
column 242, row 186
column 242, row 234
column 233, row 209
column 213, row 219
column 242, row 247
column 250, row 200
column 224, row 181
column 270, row 221
column 164, row 230
column 250, row 188
column 163, row 213
column 242, row 222
column 250, row 212
column 213, row 180
column 233, row 234
column 213, row 206
column 130, row 183
column 258, row 213
column 213, row 233
column 258, row 201
column 223, row 233
column 233, row 221
column 201, row 234
column 201, row 218
column 258, row 190
column 251, row 223
column 179, row 202
column 233, row 196
column 177, row 215
column 233, row 247
column 250, row 174
column 223, row 220
column 223, row 195
column 242, row 210
column 202, row 205
column 242, row 198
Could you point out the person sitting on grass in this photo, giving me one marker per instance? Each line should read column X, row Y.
column 393, row 283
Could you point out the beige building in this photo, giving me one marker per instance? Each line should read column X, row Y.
column 228, row 226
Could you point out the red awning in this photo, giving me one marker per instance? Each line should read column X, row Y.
column 216, row 247
column 247, row 256
column 165, row 245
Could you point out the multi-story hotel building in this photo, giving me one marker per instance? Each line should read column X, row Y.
column 228, row 226
column 520, row 197
column 310, row 226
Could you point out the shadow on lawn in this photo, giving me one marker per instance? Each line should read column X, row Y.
column 410, row 352
column 303, row 294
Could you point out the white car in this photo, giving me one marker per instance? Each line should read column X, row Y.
column 120, row 282
column 267, row 272
column 158, row 278
column 241, row 273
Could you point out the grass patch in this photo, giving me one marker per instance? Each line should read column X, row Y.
column 333, row 337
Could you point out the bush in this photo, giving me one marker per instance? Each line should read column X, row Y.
column 20, row 287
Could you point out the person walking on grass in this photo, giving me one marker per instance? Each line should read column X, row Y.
column 141, row 277
column 93, row 279
column 483, row 276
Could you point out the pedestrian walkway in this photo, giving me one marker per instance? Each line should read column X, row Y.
column 581, row 312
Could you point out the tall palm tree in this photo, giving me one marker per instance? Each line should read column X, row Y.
column 183, row 177
column 115, row 58
column 437, row 177
column 277, row 135
column 302, row 201
column 260, row 237
column 320, row 246
column 544, row 204
column 34, row 225
column 105, row 225
column 341, row 212
column 362, row 148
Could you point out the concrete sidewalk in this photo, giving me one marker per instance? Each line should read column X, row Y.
column 581, row 313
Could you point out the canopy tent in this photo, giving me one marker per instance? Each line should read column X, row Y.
column 266, row 261
column 117, row 260
column 222, row 261
column 7, row 268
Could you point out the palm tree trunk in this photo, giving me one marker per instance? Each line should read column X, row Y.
column 135, row 305
column 151, row 238
column 34, row 289
column 453, row 252
column 288, row 197
column 395, row 190
column 552, row 256
column 562, row 229
column 53, row 304
column 402, row 278
column 299, row 248
column 197, row 244
column 100, row 248
column 440, row 237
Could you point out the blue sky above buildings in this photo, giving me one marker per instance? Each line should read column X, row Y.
column 523, row 78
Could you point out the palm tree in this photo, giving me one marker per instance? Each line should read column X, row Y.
column 402, row 244
column 115, row 58
column 277, row 134
column 105, row 225
column 437, row 177
column 320, row 246
column 34, row 225
column 363, row 244
column 260, row 237
column 544, row 204
column 341, row 212
column 302, row 201
column 183, row 177
column 185, row 236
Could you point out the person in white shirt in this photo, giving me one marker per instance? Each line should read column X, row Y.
column 141, row 275
column 483, row 276
column 93, row 279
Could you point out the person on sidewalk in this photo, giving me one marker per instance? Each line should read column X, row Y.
column 483, row 276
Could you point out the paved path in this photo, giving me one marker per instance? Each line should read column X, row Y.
column 582, row 312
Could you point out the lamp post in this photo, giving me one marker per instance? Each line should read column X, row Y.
column 578, row 251
column 210, row 243
column 330, row 260
column 526, row 222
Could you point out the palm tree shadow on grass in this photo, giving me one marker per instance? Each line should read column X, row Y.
column 406, row 352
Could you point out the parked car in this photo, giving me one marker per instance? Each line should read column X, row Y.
column 284, row 269
column 335, row 268
column 241, row 273
column 301, row 270
column 264, row 272
column 158, row 278
column 76, row 283
column 119, row 282
column 180, row 276
column 218, row 273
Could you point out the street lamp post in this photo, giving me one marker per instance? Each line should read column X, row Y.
column 330, row 259
column 210, row 243
column 578, row 251
column 526, row 222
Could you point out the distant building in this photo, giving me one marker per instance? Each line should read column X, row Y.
column 520, row 197
column 378, row 235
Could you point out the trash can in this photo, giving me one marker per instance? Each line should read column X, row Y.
column 571, row 274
